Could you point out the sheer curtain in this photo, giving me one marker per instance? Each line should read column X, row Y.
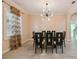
column 14, row 28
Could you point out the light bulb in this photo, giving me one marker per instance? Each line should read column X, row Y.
column 48, row 19
column 43, row 10
column 52, row 15
column 42, row 19
column 41, row 15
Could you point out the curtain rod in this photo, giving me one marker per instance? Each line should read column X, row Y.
column 10, row 5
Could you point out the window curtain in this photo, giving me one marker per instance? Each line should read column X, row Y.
column 15, row 38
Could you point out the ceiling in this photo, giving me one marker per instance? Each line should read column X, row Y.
column 34, row 7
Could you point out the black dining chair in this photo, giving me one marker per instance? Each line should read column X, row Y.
column 48, row 31
column 44, row 33
column 53, row 38
column 43, row 38
column 38, row 41
column 33, row 34
column 59, row 40
column 49, row 41
column 53, row 34
column 64, row 35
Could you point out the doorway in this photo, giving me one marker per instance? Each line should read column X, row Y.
column 73, row 29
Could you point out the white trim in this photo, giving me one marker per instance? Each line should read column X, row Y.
column 68, row 40
column 25, row 41
column 5, row 51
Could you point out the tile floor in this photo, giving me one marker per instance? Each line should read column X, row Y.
column 27, row 52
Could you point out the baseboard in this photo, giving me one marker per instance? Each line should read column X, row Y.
column 25, row 41
column 5, row 51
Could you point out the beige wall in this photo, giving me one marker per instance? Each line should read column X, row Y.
column 71, row 11
column 25, row 26
column 5, row 41
column 57, row 23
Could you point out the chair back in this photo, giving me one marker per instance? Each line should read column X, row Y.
column 38, row 38
column 59, row 38
column 44, row 33
column 49, row 38
column 33, row 33
column 64, row 35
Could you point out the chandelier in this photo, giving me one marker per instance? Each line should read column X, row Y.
column 46, row 12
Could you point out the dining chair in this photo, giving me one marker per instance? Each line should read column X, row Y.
column 53, row 33
column 33, row 35
column 43, row 38
column 38, row 41
column 64, row 35
column 49, row 41
column 59, row 40
column 53, row 38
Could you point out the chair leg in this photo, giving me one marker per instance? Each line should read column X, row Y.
column 64, row 44
column 46, row 49
column 62, row 49
column 41, row 49
column 52, row 49
column 35, row 49
column 33, row 44
column 56, row 49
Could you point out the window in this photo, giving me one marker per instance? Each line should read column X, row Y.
column 14, row 24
